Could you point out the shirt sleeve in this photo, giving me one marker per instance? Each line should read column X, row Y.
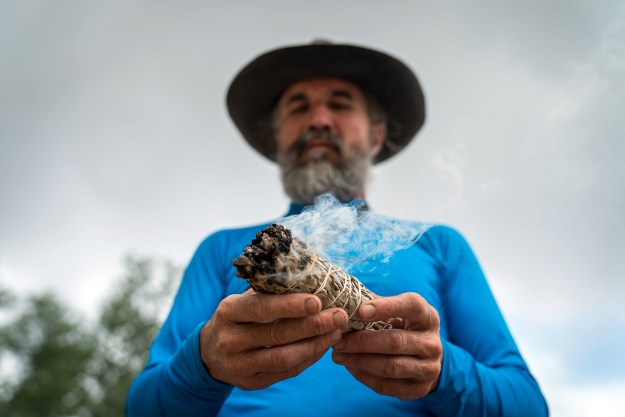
column 174, row 381
column 483, row 372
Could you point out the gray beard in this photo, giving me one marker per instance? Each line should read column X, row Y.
column 302, row 183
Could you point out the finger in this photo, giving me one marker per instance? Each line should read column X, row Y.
column 389, row 366
column 264, row 379
column 410, row 306
column 241, row 368
column 285, row 358
column 289, row 330
column 391, row 342
column 253, row 307
column 296, row 370
column 404, row 389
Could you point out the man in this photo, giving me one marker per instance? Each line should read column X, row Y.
column 326, row 113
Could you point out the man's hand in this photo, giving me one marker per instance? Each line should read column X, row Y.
column 403, row 362
column 255, row 340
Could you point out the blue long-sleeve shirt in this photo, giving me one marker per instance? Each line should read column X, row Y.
column 483, row 373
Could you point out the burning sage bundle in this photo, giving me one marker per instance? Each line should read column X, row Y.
column 276, row 262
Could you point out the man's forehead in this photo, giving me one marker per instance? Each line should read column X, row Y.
column 321, row 86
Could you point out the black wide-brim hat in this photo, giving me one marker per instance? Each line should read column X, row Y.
column 255, row 91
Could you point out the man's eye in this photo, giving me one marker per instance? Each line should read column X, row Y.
column 339, row 106
column 298, row 109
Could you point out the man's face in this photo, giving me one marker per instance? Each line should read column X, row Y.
column 332, row 105
column 324, row 140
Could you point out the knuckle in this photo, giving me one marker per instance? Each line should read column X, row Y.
column 292, row 304
column 434, row 317
column 225, row 342
column 431, row 370
column 399, row 342
column 275, row 333
column 221, row 312
column 289, row 308
column 281, row 361
column 406, row 302
column 357, row 341
column 394, row 368
column 320, row 345
column 255, row 307
column 226, row 307
column 411, row 296
column 436, row 348
column 318, row 325
column 354, row 361
column 430, row 348
column 417, row 301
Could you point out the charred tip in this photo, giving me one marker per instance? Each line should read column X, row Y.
column 258, row 258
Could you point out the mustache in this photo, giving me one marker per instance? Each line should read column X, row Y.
column 314, row 133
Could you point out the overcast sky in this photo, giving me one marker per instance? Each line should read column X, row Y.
column 114, row 139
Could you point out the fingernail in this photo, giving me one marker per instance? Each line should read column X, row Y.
column 311, row 306
column 367, row 311
column 335, row 336
column 339, row 319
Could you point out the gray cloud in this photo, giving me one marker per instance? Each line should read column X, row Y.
column 114, row 137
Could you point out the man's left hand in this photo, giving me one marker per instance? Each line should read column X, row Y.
column 403, row 362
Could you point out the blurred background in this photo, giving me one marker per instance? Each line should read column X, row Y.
column 117, row 158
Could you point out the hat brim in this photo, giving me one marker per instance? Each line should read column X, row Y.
column 257, row 88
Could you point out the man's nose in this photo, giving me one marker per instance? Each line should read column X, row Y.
column 320, row 118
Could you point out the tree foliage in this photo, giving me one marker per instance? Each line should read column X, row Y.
column 63, row 366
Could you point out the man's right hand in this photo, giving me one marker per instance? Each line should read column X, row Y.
column 255, row 340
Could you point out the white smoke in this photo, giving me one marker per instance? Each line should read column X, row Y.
column 349, row 234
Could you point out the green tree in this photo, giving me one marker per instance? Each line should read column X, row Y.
column 127, row 325
column 53, row 351
column 66, row 367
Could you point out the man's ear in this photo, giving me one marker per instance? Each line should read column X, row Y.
column 378, row 136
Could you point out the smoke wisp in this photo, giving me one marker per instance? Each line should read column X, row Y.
column 349, row 234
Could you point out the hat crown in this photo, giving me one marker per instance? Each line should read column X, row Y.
column 321, row 41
